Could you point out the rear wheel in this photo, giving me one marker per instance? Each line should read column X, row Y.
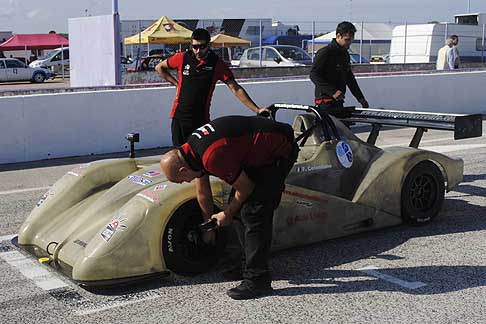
column 39, row 77
column 422, row 194
column 183, row 249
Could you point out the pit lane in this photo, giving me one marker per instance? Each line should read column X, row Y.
column 364, row 278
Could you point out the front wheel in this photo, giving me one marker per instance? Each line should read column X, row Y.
column 38, row 77
column 183, row 249
column 422, row 194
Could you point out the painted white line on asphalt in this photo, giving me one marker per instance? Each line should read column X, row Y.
column 7, row 237
column 372, row 271
column 9, row 192
column 32, row 270
column 88, row 310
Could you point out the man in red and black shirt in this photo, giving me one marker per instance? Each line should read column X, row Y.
column 198, row 71
column 254, row 155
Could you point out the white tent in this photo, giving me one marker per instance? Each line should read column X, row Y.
column 371, row 32
column 370, row 39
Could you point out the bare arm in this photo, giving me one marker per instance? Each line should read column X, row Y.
column 244, row 187
column 161, row 69
column 243, row 96
column 204, row 196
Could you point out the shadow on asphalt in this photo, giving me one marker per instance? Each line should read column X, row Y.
column 307, row 268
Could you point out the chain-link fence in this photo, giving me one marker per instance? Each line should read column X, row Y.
column 381, row 43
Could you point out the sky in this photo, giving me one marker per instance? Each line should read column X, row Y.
column 34, row 16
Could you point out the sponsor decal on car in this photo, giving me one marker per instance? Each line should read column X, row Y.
column 304, row 203
column 44, row 197
column 344, row 154
column 79, row 170
column 305, row 196
column 150, row 195
column 307, row 218
column 310, row 168
column 114, row 226
column 160, row 187
column 151, row 174
column 139, row 180
column 80, row 243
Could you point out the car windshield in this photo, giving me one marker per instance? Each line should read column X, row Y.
column 49, row 54
column 293, row 53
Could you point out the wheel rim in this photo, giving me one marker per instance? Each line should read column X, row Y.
column 423, row 193
column 190, row 243
column 38, row 78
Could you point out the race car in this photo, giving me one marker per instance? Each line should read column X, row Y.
column 119, row 220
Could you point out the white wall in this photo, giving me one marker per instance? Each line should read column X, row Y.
column 92, row 51
column 46, row 126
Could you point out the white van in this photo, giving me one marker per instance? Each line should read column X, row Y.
column 54, row 60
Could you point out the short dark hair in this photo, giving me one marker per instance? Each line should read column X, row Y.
column 201, row 34
column 345, row 27
column 454, row 37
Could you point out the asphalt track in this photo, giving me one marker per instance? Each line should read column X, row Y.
column 430, row 274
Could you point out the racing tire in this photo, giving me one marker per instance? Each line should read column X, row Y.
column 183, row 250
column 422, row 194
column 38, row 77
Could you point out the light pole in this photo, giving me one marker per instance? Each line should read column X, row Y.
column 116, row 16
column 468, row 6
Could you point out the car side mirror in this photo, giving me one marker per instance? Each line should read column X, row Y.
column 278, row 60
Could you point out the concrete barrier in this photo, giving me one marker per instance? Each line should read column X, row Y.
column 44, row 126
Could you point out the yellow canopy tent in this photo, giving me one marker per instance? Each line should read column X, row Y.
column 226, row 41
column 163, row 31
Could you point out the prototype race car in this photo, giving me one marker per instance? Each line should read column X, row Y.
column 118, row 220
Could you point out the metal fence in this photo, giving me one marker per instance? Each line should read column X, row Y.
column 386, row 42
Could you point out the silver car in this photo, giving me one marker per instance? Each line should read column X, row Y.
column 275, row 55
column 12, row 69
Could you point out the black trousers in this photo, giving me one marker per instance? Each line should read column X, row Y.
column 254, row 224
column 181, row 129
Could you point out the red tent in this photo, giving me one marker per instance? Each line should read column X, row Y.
column 33, row 41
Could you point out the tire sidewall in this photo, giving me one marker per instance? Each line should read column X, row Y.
column 174, row 252
column 409, row 214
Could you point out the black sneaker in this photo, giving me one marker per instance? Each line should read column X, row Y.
column 233, row 274
column 248, row 290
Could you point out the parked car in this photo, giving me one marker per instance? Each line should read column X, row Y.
column 147, row 63
column 357, row 59
column 275, row 55
column 12, row 69
column 379, row 59
column 54, row 60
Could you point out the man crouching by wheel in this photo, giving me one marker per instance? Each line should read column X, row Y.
column 254, row 155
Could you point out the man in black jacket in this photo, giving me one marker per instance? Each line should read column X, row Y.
column 331, row 71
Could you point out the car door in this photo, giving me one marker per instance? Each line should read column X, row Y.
column 253, row 57
column 271, row 58
column 3, row 71
column 17, row 71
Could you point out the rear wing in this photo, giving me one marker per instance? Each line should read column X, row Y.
column 463, row 126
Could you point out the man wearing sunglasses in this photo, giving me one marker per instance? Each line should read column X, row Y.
column 198, row 71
